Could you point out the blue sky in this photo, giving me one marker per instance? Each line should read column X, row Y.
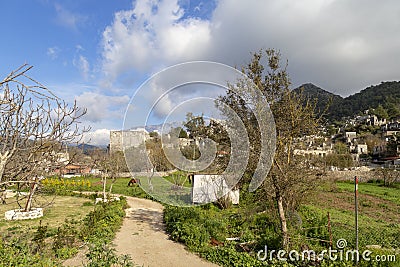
column 99, row 52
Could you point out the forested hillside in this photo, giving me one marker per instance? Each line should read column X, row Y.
column 386, row 94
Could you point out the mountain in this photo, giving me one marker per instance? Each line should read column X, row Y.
column 324, row 98
column 159, row 127
column 386, row 94
column 86, row 148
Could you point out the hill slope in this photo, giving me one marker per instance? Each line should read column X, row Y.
column 324, row 98
column 386, row 94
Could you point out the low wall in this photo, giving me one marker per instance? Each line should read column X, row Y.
column 363, row 173
column 19, row 214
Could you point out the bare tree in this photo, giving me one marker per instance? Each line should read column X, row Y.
column 34, row 126
column 111, row 165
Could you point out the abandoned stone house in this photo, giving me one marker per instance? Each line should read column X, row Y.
column 127, row 138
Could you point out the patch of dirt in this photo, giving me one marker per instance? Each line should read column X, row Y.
column 79, row 259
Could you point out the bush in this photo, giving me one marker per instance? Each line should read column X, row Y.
column 63, row 186
column 196, row 226
column 101, row 254
column 103, row 221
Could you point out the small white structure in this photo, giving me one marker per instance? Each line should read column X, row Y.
column 101, row 200
column 19, row 214
column 209, row 188
column 361, row 149
column 350, row 136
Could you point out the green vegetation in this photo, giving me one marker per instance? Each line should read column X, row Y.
column 374, row 188
column 383, row 100
column 339, row 160
column 179, row 178
column 167, row 191
column 60, row 185
column 199, row 227
column 204, row 229
column 67, row 186
column 49, row 243
column 62, row 208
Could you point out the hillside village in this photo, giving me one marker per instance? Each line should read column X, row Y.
column 369, row 140
column 365, row 140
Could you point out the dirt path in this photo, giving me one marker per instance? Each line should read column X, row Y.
column 142, row 236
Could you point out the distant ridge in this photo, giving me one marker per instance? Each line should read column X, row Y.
column 386, row 94
column 87, row 148
column 158, row 127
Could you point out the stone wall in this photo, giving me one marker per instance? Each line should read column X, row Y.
column 349, row 175
column 19, row 214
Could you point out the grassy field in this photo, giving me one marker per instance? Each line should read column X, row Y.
column 379, row 213
column 69, row 223
column 379, row 218
column 162, row 190
column 62, row 207
column 379, row 224
column 374, row 189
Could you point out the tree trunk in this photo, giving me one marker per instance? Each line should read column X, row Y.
column 111, row 186
column 2, row 167
column 28, row 205
column 104, row 187
column 3, row 161
column 282, row 217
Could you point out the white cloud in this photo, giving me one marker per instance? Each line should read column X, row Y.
column 101, row 107
column 151, row 34
column 83, row 65
column 79, row 47
column 99, row 137
column 53, row 52
column 341, row 45
column 173, row 93
column 67, row 18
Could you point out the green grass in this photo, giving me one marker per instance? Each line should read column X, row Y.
column 163, row 189
column 120, row 186
column 371, row 231
column 378, row 225
column 62, row 208
column 373, row 189
column 379, row 208
column 46, row 242
column 179, row 178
